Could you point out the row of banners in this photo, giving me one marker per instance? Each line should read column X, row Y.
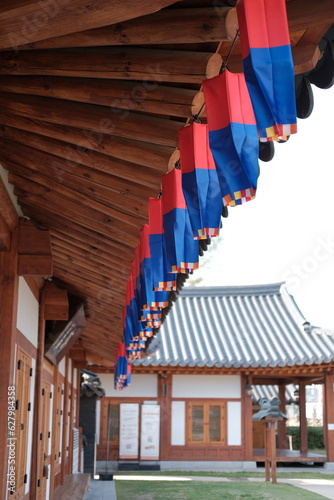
column 218, row 168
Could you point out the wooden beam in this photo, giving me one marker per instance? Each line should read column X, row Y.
column 329, row 404
column 303, row 14
column 54, row 157
column 5, row 234
column 110, row 121
column 129, row 224
column 171, row 26
column 56, row 302
column 147, row 98
column 86, row 216
column 34, row 250
column 8, row 318
column 98, row 243
column 7, row 209
column 134, row 151
column 26, row 21
column 134, row 63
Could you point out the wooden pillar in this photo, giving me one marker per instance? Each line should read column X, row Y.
column 324, row 409
column 164, row 399
column 329, row 404
column 54, row 431
column 247, row 423
column 8, row 315
column 37, row 401
column 282, row 437
column 302, row 417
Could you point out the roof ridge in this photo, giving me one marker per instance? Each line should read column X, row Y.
column 262, row 289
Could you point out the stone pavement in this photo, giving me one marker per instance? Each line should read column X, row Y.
column 101, row 490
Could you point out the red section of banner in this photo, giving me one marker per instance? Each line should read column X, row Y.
column 155, row 215
column 172, row 194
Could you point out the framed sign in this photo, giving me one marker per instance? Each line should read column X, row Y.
column 128, row 431
column 150, row 432
column 59, row 340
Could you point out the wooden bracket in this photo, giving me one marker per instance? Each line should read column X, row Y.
column 55, row 303
column 34, row 250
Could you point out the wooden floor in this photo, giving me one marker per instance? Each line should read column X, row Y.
column 290, row 456
column 74, row 487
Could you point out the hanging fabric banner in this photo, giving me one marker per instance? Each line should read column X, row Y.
column 232, row 136
column 162, row 279
column 268, row 66
column 200, row 182
column 181, row 249
column 122, row 373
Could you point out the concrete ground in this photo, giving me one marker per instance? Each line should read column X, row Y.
column 101, row 490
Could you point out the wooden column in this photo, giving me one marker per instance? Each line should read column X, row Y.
column 54, row 431
column 164, row 399
column 247, row 403
column 8, row 314
column 302, row 417
column 65, row 425
column 282, row 437
column 329, row 404
column 37, row 401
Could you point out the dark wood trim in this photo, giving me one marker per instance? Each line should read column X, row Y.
column 246, row 419
column 54, row 430
column 8, row 317
column 65, row 424
column 329, row 402
column 281, row 424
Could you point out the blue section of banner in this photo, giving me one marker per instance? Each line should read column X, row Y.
column 235, row 149
column 269, row 74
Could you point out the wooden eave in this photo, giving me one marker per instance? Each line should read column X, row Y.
column 92, row 95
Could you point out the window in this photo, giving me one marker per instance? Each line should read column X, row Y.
column 206, row 423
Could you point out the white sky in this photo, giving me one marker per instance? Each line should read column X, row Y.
column 287, row 232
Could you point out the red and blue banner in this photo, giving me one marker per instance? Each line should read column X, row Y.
column 122, row 372
column 181, row 249
column 162, row 279
column 200, row 181
column 268, row 66
column 233, row 136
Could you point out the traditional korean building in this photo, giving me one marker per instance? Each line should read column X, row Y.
column 92, row 97
column 218, row 343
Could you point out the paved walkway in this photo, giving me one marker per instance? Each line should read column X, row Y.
column 101, row 490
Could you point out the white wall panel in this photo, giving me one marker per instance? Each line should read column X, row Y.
column 178, row 434
column 27, row 312
column 206, row 386
column 234, row 423
column 142, row 386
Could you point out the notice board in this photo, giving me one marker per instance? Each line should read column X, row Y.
column 129, row 431
column 150, row 432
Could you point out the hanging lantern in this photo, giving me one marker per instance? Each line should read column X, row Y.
column 268, row 66
column 162, row 279
column 181, row 249
column 232, row 136
column 200, row 182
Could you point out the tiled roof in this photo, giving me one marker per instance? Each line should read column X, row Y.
column 249, row 326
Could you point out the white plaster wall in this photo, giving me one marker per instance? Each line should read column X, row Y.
column 97, row 425
column 206, row 386
column 234, row 423
column 27, row 312
column 142, row 386
column 178, row 434
column 75, row 377
column 69, row 371
column 61, row 367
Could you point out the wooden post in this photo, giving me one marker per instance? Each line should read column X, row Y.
column 164, row 399
column 302, row 417
column 65, row 425
column 8, row 314
column 282, row 437
column 247, row 421
column 267, row 451
column 270, row 447
column 54, row 432
column 329, row 403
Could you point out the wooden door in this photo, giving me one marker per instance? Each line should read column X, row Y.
column 44, row 458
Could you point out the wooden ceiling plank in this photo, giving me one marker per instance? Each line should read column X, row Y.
column 156, row 99
column 127, row 124
column 71, row 200
column 27, row 21
column 36, row 160
column 303, row 13
column 43, row 203
column 100, row 205
column 90, row 189
column 143, row 153
column 134, row 63
column 192, row 25
column 72, row 230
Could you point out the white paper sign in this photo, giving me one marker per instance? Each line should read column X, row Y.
column 331, row 427
column 128, row 431
column 150, row 432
